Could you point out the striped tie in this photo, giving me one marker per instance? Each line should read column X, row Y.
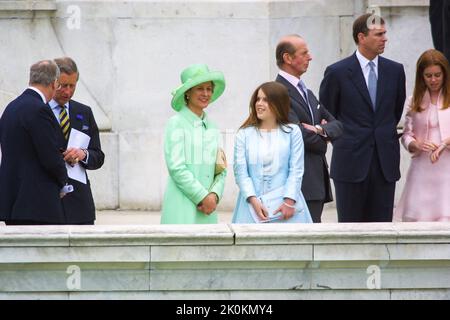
column 64, row 122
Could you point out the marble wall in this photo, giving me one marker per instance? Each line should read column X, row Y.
column 130, row 54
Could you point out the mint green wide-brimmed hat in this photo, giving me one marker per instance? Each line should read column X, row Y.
column 194, row 75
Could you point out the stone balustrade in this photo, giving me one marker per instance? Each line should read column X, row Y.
column 295, row 261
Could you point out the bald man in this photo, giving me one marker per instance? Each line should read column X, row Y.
column 317, row 124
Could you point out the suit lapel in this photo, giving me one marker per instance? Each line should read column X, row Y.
column 75, row 121
column 382, row 69
column 357, row 77
column 294, row 94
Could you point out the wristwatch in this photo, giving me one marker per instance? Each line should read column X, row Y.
column 319, row 128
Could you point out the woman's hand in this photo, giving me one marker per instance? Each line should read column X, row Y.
column 418, row 146
column 437, row 153
column 209, row 204
column 260, row 210
column 287, row 208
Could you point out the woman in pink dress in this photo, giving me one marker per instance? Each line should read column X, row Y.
column 426, row 196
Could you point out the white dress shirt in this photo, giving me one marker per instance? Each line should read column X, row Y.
column 364, row 63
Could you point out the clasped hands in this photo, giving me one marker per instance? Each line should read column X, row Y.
column 73, row 155
column 430, row 147
column 209, row 204
column 287, row 208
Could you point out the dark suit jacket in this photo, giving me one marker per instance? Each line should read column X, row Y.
column 316, row 181
column 344, row 93
column 79, row 205
column 439, row 14
column 32, row 170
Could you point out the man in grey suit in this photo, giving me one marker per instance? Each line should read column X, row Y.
column 317, row 124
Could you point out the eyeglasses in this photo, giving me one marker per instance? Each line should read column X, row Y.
column 57, row 84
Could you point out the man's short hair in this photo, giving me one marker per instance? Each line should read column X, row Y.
column 67, row 65
column 282, row 48
column 44, row 72
column 363, row 23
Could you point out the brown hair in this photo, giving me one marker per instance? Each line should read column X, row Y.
column 67, row 65
column 278, row 100
column 427, row 59
column 362, row 24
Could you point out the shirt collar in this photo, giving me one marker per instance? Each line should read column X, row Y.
column 54, row 105
column 193, row 118
column 363, row 61
column 289, row 77
column 39, row 92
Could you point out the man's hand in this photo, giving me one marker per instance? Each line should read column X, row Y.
column 73, row 155
column 310, row 128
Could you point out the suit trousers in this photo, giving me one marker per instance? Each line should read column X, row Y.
column 371, row 200
column 315, row 209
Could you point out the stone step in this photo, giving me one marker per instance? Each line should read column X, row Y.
column 115, row 217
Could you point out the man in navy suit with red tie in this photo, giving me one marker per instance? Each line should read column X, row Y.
column 32, row 169
column 366, row 92
column 78, row 206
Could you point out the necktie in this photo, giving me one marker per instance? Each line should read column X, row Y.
column 64, row 122
column 305, row 95
column 372, row 85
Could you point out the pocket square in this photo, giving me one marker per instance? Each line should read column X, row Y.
column 84, row 128
column 318, row 106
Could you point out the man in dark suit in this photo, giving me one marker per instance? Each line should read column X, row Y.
column 32, row 170
column 317, row 124
column 439, row 14
column 366, row 92
column 78, row 206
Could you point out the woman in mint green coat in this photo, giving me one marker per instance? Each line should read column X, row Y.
column 191, row 145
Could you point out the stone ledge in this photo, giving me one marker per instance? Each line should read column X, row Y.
column 342, row 233
column 28, row 5
column 399, row 3
column 222, row 234
column 65, row 236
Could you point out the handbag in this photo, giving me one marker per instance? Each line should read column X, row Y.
column 272, row 201
column 221, row 162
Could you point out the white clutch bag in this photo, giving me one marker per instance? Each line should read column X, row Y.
column 271, row 201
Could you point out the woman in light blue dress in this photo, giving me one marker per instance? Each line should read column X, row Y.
column 268, row 161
